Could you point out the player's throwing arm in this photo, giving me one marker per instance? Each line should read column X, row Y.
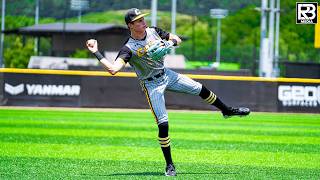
column 92, row 45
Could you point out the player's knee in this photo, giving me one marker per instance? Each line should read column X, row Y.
column 163, row 120
column 163, row 129
column 204, row 93
column 163, row 137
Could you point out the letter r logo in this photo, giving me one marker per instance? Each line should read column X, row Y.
column 306, row 13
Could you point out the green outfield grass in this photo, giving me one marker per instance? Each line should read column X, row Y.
column 82, row 144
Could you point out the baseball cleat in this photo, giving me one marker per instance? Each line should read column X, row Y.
column 242, row 111
column 170, row 170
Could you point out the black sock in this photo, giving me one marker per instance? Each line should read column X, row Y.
column 212, row 99
column 164, row 141
column 219, row 104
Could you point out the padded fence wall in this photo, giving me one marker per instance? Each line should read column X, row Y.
column 50, row 90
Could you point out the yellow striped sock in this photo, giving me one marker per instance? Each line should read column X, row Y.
column 164, row 142
column 212, row 97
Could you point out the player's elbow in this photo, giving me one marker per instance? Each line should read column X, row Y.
column 115, row 68
column 178, row 39
column 113, row 72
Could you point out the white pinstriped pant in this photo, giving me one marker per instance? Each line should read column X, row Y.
column 170, row 81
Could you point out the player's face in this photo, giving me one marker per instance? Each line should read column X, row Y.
column 139, row 25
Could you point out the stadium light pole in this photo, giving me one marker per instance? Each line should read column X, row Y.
column 218, row 14
column 271, row 36
column 36, row 21
column 276, row 69
column 269, row 45
column 264, row 46
column 2, row 33
column 173, row 20
column 154, row 12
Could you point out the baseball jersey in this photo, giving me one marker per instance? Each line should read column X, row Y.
column 134, row 52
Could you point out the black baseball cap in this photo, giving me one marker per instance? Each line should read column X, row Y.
column 133, row 14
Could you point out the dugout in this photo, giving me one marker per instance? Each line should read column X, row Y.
column 65, row 38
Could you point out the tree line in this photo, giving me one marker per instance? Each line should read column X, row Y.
column 240, row 32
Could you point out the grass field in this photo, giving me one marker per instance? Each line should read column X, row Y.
column 75, row 144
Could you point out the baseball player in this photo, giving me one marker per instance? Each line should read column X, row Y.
column 144, row 51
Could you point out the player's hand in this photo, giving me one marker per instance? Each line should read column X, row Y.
column 159, row 53
column 92, row 45
column 159, row 49
column 168, row 44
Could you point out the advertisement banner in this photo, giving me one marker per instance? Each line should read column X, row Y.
column 299, row 97
column 41, row 90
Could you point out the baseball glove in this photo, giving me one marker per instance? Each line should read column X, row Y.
column 158, row 49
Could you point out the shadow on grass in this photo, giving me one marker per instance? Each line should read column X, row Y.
column 161, row 174
column 138, row 174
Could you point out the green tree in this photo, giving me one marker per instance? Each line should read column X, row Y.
column 81, row 53
column 18, row 55
column 240, row 30
column 202, row 44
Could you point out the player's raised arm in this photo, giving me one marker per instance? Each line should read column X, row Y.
column 112, row 68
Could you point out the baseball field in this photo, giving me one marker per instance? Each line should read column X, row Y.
column 112, row 144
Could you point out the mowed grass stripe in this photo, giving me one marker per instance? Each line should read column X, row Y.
column 146, row 123
column 39, row 168
column 178, row 135
column 147, row 120
column 253, row 118
column 232, row 124
column 142, row 117
column 200, row 125
column 261, row 159
column 153, row 142
column 275, row 131
column 71, row 116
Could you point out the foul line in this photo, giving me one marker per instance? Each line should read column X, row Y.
column 131, row 74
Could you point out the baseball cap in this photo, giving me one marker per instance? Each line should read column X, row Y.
column 133, row 14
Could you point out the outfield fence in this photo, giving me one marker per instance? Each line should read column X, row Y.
column 57, row 88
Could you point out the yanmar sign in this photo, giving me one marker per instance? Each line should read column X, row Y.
column 299, row 96
column 42, row 89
